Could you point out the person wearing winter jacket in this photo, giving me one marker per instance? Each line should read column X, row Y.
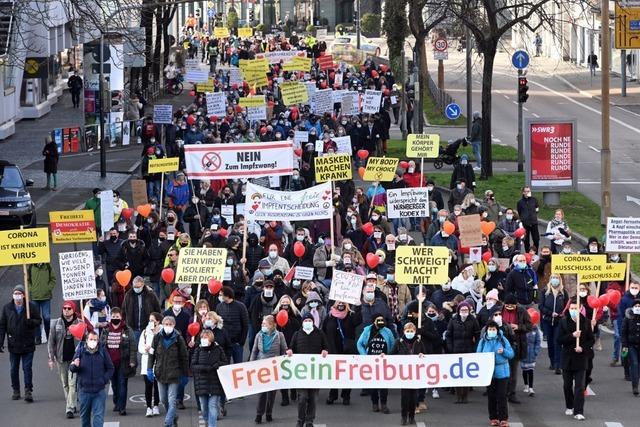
column 410, row 343
column 314, row 306
column 42, row 281
column 377, row 339
column 236, row 322
column 630, row 341
column 179, row 193
column 493, row 341
column 132, row 254
column 269, row 342
column 255, row 252
column 626, row 302
column 552, row 303
column 522, row 281
column 151, row 393
column 139, row 302
column 62, row 345
column 463, row 332
column 518, row 318
column 207, row 358
column 528, row 363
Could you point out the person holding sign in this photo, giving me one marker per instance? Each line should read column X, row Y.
column 20, row 329
column 576, row 338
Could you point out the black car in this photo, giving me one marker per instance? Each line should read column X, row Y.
column 16, row 206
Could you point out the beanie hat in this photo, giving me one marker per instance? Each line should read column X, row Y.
column 463, row 304
column 18, row 288
column 492, row 294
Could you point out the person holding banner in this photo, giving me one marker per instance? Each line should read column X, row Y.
column 463, row 332
column 576, row 338
column 206, row 359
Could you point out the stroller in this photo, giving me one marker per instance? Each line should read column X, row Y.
column 449, row 154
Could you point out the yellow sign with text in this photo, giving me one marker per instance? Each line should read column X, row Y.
column 168, row 164
column 423, row 145
column 27, row 246
column 253, row 101
column 333, row 167
column 613, row 272
column 205, row 87
column 253, row 65
column 380, row 169
column 294, row 93
column 422, row 265
column 199, row 265
column 578, row 264
column 72, row 226
column 220, row 32
column 245, row 33
column 298, row 63
column 627, row 27
column 258, row 78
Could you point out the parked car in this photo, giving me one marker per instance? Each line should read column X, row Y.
column 16, row 206
column 348, row 43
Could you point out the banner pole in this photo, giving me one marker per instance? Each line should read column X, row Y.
column 25, row 277
column 421, row 171
column 331, row 219
column 161, row 196
column 578, row 317
column 419, row 307
column 627, row 273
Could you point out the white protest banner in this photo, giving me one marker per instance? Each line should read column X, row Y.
column 344, row 144
column 346, row 287
column 162, row 114
column 77, row 275
column 337, row 95
column 243, row 160
column 311, row 371
column 235, row 76
column 623, row 235
column 227, row 212
column 371, row 101
column 198, row 265
column 216, row 104
column 106, row 210
column 350, row 103
column 257, row 113
column 311, row 88
column 300, row 136
column 197, row 76
column 408, row 203
column 191, row 64
column 322, row 101
column 274, row 182
column 303, row 273
column 263, row 204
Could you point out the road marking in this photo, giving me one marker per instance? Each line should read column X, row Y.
column 525, row 108
column 496, row 140
column 506, row 97
column 535, row 115
column 112, row 424
column 633, row 200
column 579, row 140
column 515, row 102
column 612, row 424
column 516, row 424
column 613, row 182
column 420, row 424
column 594, row 148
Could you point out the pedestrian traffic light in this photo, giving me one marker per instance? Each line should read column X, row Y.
column 251, row 15
column 355, row 16
column 522, row 90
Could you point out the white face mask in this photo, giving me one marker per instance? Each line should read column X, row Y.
column 492, row 268
column 634, row 292
column 18, row 297
column 347, row 246
column 582, row 294
column 204, row 342
column 92, row 344
column 498, row 320
column 168, row 329
column 273, row 254
column 99, row 272
column 446, row 287
column 377, row 234
column 636, row 310
column 268, row 293
column 307, row 327
column 177, row 308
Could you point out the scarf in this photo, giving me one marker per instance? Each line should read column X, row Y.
column 477, row 298
column 97, row 305
column 338, row 314
column 316, row 317
column 267, row 341
column 393, row 301
column 555, row 223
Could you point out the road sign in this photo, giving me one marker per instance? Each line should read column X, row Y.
column 627, row 28
column 440, row 56
column 441, row 45
column 520, row 59
column 452, row 111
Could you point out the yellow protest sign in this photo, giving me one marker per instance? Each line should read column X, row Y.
column 254, row 65
column 298, row 63
column 380, row 169
column 72, row 226
column 198, row 265
column 245, row 33
column 205, row 87
column 612, row 272
column 252, row 101
column 168, row 164
column 220, row 32
column 422, row 265
column 258, row 78
column 294, row 93
column 28, row 246
column 423, row 145
column 577, row 264
column 333, row 167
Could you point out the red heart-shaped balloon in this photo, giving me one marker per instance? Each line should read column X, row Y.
column 78, row 330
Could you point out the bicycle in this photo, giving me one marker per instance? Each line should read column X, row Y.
column 174, row 86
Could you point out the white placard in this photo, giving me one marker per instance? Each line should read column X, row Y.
column 257, row 113
column 350, row 103
column 227, row 212
column 162, row 114
column 322, row 101
column 346, row 287
column 344, row 144
column 197, row 76
column 235, row 76
column 106, row 210
column 623, row 235
column 274, row 182
column 475, row 255
column 240, row 209
column 191, row 64
column 408, row 203
column 303, row 273
column 371, row 101
column 300, row 136
column 77, row 275
column 311, row 88
column 216, row 104
column 337, row 95
column 263, row 204
column 227, row 274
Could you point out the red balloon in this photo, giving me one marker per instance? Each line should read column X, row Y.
column 191, row 120
column 214, row 286
column 614, row 297
column 593, row 302
column 527, row 257
column 298, row 152
column 604, row 300
column 193, row 329
column 127, row 213
column 299, row 249
column 448, row 227
column 362, row 154
column 372, row 260
column 78, row 330
column 213, row 119
column 534, row 315
column 486, row 256
column 404, row 164
column 282, row 318
column 519, row 232
column 367, row 228
column 168, row 275
column 192, row 93
column 223, row 232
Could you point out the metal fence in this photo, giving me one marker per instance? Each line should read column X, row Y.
column 441, row 97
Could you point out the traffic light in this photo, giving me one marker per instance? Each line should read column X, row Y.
column 355, row 16
column 251, row 15
column 522, row 90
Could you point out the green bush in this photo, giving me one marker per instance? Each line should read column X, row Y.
column 311, row 29
column 260, row 27
column 232, row 19
column 370, row 25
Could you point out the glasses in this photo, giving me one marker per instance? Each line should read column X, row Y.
column 67, row 308
column 173, row 254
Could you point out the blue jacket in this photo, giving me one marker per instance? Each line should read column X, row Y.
column 501, row 369
column 363, row 341
column 95, row 369
column 533, row 347
column 450, row 242
column 180, row 194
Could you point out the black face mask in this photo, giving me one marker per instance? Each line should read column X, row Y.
column 113, row 238
column 341, row 307
column 115, row 322
column 380, row 325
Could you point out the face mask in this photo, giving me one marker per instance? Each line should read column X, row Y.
column 390, row 277
column 522, row 265
column 115, row 322
column 220, row 298
column 490, row 304
column 273, row 254
column 446, row 287
column 459, row 187
column 463, row 316
column 442, row 218
column 92, row 344
column 177, row 308
column 102, row 299
column 204, row 342
column 573, row 314
column 498, row 320
column 634, row 292
column 99, row 272
column 492, row 334
column 377, row 234
column 216, row 217
column 307, row 327
column 457, row 213
column 509, row 217
column 230, row 261
column 18, row 298
column 299, row 237
column 566, row 250
column 113, row 238
column 375, row 217
column 492, row 268
column 353, row 222
column 615, row 258
column 410, row 170
column 636, row 310
column 268, row 293
column 313, row 304
column 409, row 335
column 432, row 316
column 137, row 290
column 284, row 307
column 369, row 296
column 381, row 324
column 593, row 249
column 168, row 330
column 555, row 281
column 150, row 220
column 582, row 294
column 187, row 291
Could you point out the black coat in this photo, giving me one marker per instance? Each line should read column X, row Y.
column 50, row 153
column 462, row 337
column 171, row 362
column 630, row 332
column 312, row 343
column 133, row 257
column 341, row 333
column 520, row 335
column 20, row 331
column 570, row 359
column 293, row 325
column 403, row 347
column 204, row 364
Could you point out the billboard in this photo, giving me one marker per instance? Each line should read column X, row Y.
column 550, row 153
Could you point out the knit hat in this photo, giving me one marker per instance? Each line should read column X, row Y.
column 18, row 288
column 264, row 263
column 492, row 294
column 463, row 304
column 307, row 316
column 257, row 277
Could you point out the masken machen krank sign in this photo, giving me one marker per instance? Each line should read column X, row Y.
column 334, row 371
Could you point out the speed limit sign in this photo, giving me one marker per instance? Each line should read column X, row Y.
column 440, row 45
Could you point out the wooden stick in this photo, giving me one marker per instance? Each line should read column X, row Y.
column 578, row 317
column 627, row 273
column 25, row 277
column 419, row 307
column 244, row 241
column 597, row 294
column 421, row 171
column 195, row 312
column 161, row 196
column 331, row 219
